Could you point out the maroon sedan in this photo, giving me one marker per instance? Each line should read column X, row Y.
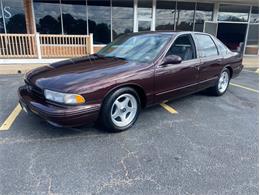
column 134, row 71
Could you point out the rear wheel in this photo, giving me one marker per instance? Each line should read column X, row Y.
column 222, row 85
column 120, row 110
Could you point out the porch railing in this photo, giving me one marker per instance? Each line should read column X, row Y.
column 17, row 46
column 45, row 46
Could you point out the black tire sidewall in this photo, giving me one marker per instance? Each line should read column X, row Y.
column 106, row 109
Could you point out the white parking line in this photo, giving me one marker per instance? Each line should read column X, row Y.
column 244, row 87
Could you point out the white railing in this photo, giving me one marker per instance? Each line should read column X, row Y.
column 17, row 46
column 44, row 46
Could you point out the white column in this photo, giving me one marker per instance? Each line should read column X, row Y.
column 61, row 18
column 153, row 15
column 215, row 12
column 111, row 20
column 135, row 16
column 38, row 45
column 91, row 45
column 247, row 30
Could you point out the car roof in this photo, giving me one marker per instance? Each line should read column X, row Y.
column 173, row 33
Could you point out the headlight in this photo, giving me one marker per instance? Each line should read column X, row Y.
column 64, row 98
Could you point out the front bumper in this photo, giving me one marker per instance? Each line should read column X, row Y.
column 57, row 115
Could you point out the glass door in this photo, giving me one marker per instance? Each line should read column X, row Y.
column 144, row 15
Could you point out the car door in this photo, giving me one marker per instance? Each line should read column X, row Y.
column 211, row 60
column 175, row 80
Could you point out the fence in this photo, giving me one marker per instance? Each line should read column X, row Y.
column 44, row 46
column 17, row 45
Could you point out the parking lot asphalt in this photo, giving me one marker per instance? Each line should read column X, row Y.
column 209, row 147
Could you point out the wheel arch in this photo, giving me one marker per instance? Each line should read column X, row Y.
column 140, row 91
column 230, row 70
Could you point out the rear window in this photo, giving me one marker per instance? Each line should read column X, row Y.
column 221, row 47
column 206, row 46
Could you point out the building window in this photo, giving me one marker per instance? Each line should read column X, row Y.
column 74, row 17
column 165, row 15
column 252, row 46
column 144, row 8
column 144, row 25
column 14, row 17
column 144, row 15
column 2, row 28
column 232, row 35
column 254, row 15
column 235, row 13
column 47, row 16
column 185, row 16
column 204, row 12
column 99, row 20
column 122, row 17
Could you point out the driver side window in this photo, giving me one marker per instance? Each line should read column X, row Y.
column 184, row 47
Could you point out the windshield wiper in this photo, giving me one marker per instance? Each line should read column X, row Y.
column 98, row 55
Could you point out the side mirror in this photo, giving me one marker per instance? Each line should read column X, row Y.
column 172, row 59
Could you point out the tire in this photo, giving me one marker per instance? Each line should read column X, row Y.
column 222, row 85
column 120, row 110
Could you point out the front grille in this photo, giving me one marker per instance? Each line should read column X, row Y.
column 34, row 90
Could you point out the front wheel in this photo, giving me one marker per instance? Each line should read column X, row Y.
column 120, row 110
column 222, row 85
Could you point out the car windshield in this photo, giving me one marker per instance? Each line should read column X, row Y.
column 141, row 48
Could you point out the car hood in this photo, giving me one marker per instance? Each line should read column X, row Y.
column 70, row 75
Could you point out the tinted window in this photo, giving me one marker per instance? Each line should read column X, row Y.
column 185, row 16
column 74, row 17
column 14, row 16
column 47, row 16
column 99, row 20
column 145, row 8
column 183, row 46
column 122, row 14
column 204, row 12
column 254, row 15
column 2, row 29
column 206, row 46
column 144, row 26
column 165, row 11
column 221, row 47
column 231, row 12
column 252, row 46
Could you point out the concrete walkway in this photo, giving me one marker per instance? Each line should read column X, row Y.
column 251, row 61
column 18, row 66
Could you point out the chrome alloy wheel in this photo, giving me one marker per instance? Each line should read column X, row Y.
column 124, row 110
column 223, row 82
